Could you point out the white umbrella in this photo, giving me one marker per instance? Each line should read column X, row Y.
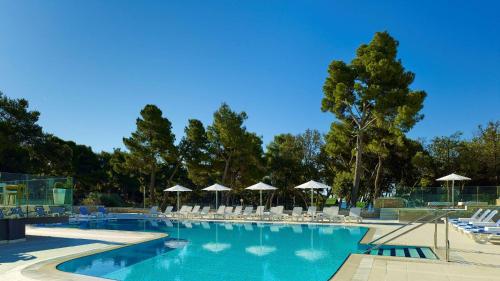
column 453, row 177
column 216, row 187
column 312, row 185
column 177, row 188
column 261, row 186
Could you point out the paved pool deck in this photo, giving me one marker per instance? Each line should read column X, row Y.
column 44, row 248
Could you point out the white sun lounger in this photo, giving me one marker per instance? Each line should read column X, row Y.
column 194, row 212
column 332, row 214
column 296, row 214
column 311, row 212
column 204, row 212
column 247, row 212
column 220, row 211
column 236, row 213
column 354, row 215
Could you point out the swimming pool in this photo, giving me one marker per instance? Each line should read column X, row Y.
column 222, row 251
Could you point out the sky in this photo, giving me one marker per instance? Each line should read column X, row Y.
column 90, row 66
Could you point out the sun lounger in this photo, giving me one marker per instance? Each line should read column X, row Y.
column 168, row 211
column 474, row 217
column 277, row 213
column 247, row 212
column 228, row 212
column 220, row 212
column 153, row 212
column 465, row 222
column 204, row 212
column 332, row 214
column 259, row 213
column 354, row 215
column 16, row 212
column 485, row 219
column 194, row 212
column 311, row 213
column 185, row 213
column 236, row 213
column 297, row 214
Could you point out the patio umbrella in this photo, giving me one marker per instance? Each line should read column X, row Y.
column 453, row 177
column 260, row 250
column 216, row 187
column 177, row 188
column 312, row 185
column 261, row 186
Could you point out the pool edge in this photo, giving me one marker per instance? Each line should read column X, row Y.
column 47, row 270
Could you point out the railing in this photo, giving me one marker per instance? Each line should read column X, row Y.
column 434, row 218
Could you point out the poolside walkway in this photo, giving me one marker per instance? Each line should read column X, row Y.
column 31, row 259
column 469, row 260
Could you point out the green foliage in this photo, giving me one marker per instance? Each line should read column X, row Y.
column 151, row 145
column 372, row 90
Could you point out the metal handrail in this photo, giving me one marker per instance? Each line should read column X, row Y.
column 403, row 226
column 409, row 230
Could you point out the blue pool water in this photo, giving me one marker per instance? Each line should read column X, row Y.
column 222, row 251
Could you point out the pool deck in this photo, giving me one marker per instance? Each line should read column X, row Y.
column 44, row 248
column 468, row 259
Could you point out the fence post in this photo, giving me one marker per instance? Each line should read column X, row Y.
column 435, row 230
column 446, row 240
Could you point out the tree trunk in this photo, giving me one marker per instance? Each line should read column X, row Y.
column 357, row 168
column 226, row 170
column 152, row 180
column 377, row 178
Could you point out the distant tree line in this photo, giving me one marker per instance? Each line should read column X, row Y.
column 364, row 153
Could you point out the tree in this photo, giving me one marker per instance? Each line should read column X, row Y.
column 226, row 135
column 373, row 88
column 488, row 140
column 151, row 145
column 196, row 153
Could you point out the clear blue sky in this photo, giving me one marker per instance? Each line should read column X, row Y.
column 90, row 66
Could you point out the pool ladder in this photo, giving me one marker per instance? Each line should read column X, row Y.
column 376, row 249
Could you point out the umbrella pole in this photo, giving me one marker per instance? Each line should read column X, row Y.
column 178, row 201
column 260, row 191
column 312, row 195
column 453, row 193
column 216, row 200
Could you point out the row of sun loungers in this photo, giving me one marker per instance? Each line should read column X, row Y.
column 480, row 226
column 329, row 214
column 32, row 211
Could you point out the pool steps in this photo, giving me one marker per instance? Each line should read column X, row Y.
column 413, row 252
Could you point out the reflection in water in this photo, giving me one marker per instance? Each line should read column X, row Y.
column 216, row 247
column 311, row 254
column 260, row 250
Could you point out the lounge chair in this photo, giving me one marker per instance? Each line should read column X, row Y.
column 297, row 214
column 84, row 214
column 354, row 215
column 277, row 213
column 311, row 212
column 259, row 213
column 168, row 211
column 228, row 212
column 17, row 212
column 486, row 217
column 487, row 221
column 467, row 221
column 153, row 212
column 474, row 217
column 204, row 212
column 186, row 212
column 332, row 214
column 220, row 211
column 237, row 212
column 247, row 212
column 194, row 212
